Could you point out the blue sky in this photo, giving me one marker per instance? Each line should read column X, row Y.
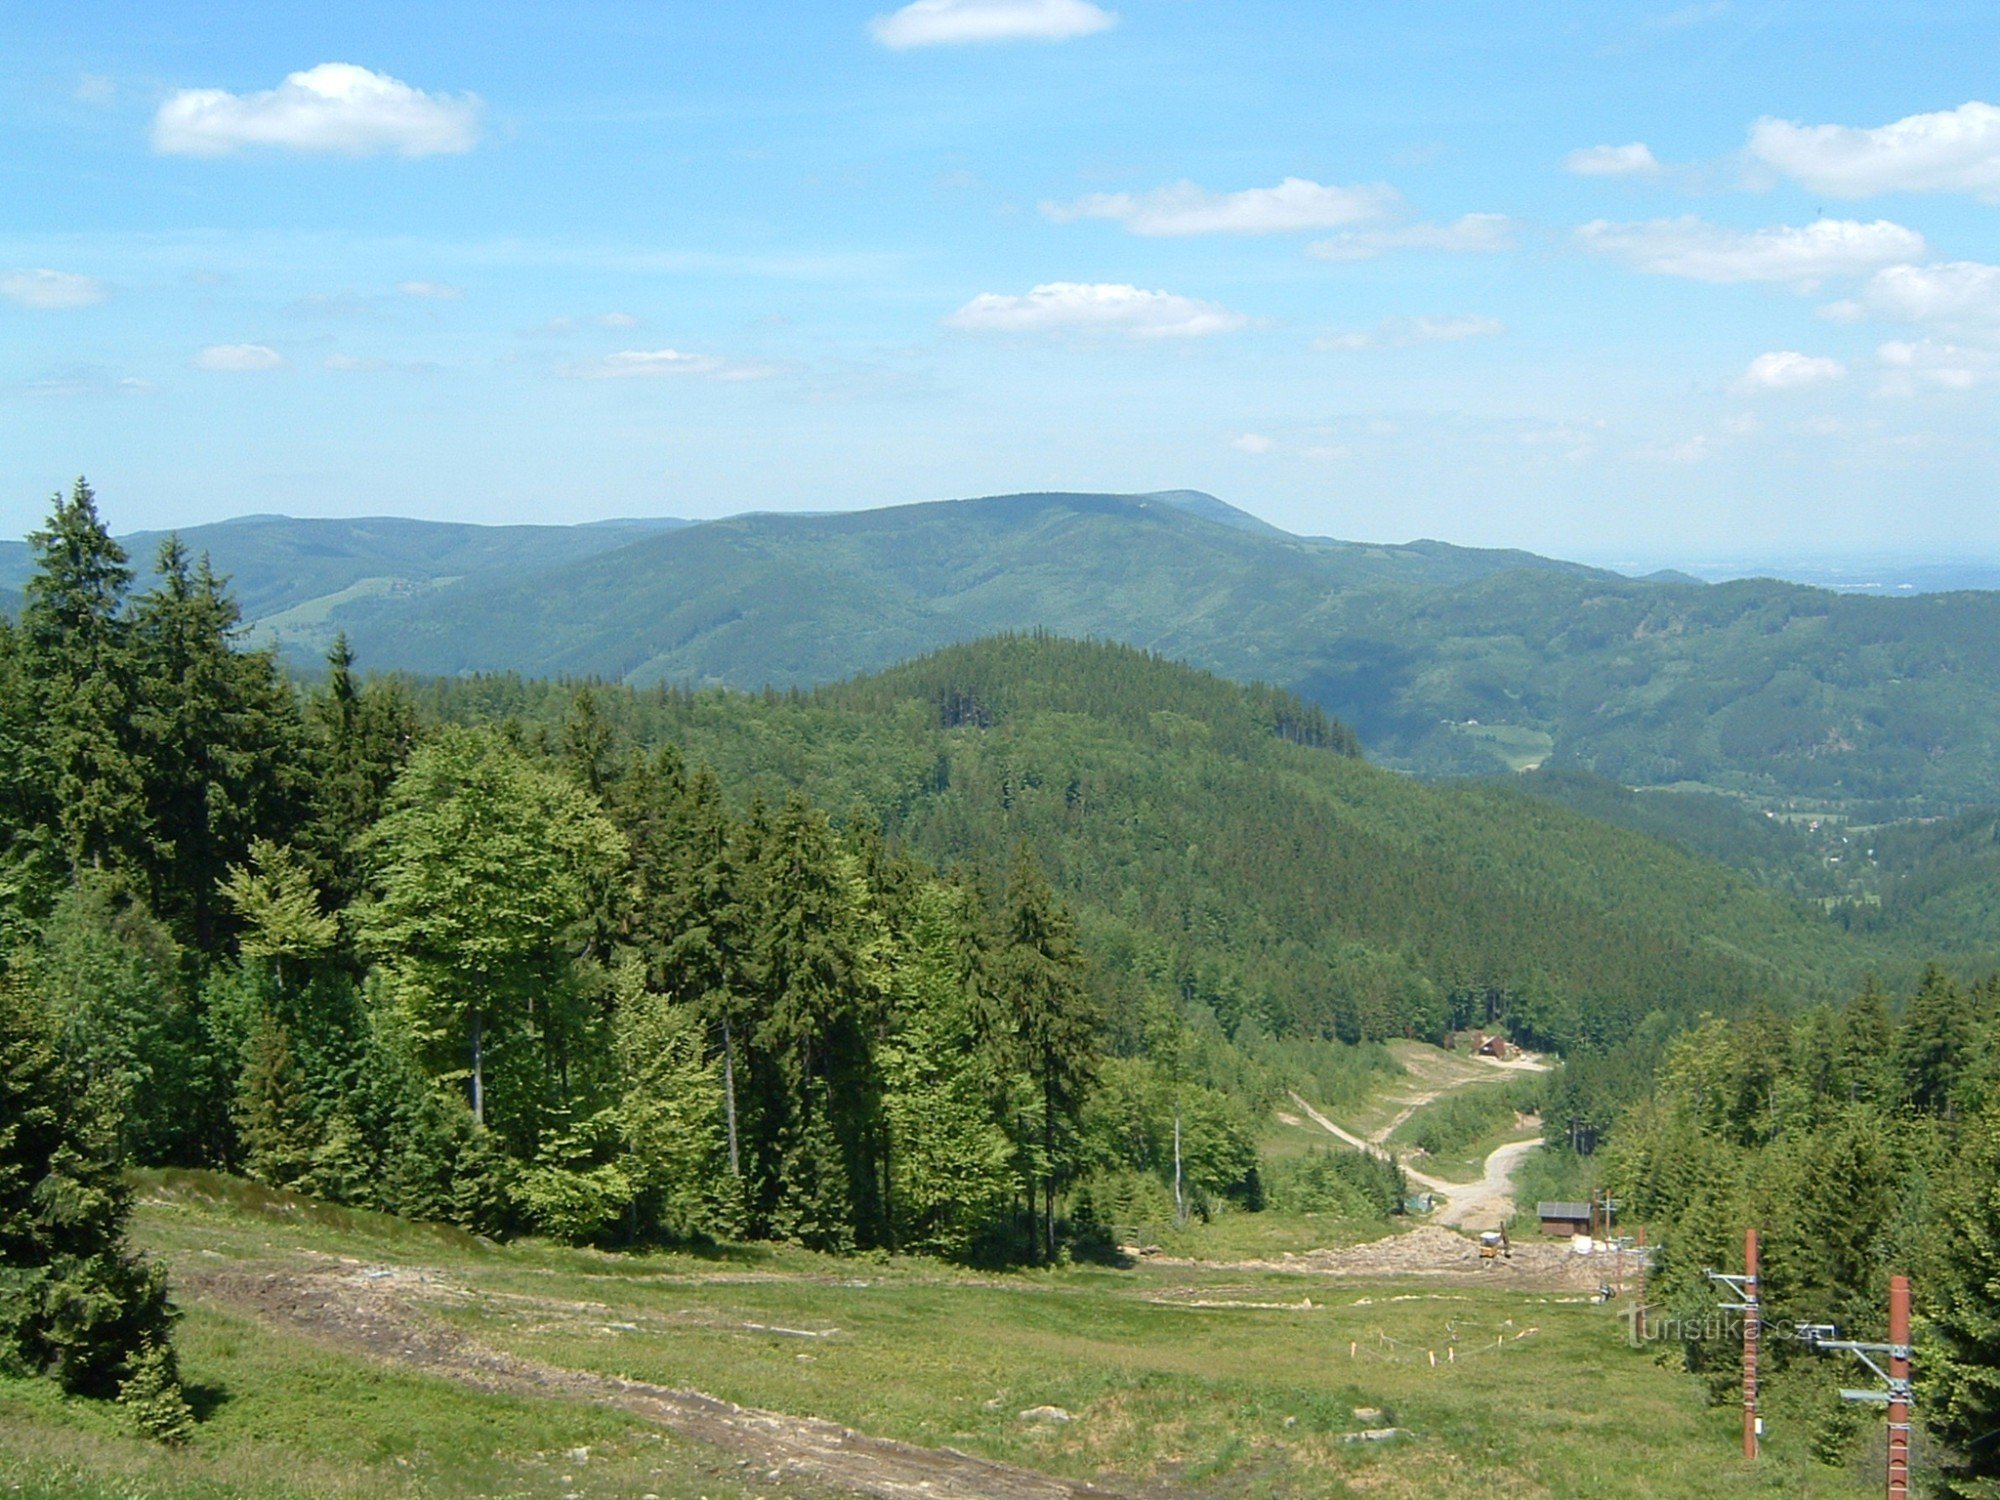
column 1626, row 282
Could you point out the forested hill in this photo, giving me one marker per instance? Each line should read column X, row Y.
column 286, row 572
column 1225, row 843
column 1445, row 660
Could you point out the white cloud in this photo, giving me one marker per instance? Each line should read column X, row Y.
column 96, row 90
column 1471, row 234
column 661, row 364
column 335, row 107
column 1096, row 307
column 361, row 365
column 52, row 291
column 441, row 291
column 1402, row 333
column 1635, row 160
column 1910, row 366
column 1686, row 451
column 1184, row 208
column 1692, row 247
column 1787, row 370
column 87, row 380
column 1252, row 442
column 1688, row 15
column 1951, row 151
column 1960, row 295
column 617, row 320
column 932, row 23
column 238, row 358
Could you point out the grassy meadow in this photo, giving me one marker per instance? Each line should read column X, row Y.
column 1197, row 1378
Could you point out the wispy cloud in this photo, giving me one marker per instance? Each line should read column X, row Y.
column 1470, row 234
column 662, row 364
column 438, row 291
column 1913, row 365
column 52, row 291
column 1691, row 247
column 1951, row 151
column 334, row 108
column 239, row 358
column 940, row 23
column 1787, row 370
column 1096, row 307
column 1959, row 296
column 1635, row 160
column 1403, row 333
column 1254, row 443
column 86, row 380
column 1183, row 208
column 356, row 364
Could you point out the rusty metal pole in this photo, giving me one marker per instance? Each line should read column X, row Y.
column 1751, row 1318
column 1899, row 1388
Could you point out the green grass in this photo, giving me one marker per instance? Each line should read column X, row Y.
column 282, row 1419
column 1543, row 1399
column 1455, row 1132
column 1521, row 748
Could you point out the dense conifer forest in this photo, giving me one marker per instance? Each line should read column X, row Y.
column 980, row 958
column 1864, row 1139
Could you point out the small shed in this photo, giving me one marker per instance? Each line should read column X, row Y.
column 1564, row 1219
column 1492, row 1046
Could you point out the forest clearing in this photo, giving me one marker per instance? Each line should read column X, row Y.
column 434, row 1364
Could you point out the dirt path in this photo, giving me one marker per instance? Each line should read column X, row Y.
column 1424, row 1180
column 1485, row 1204
column 1489, row 1202
column 371, row 1311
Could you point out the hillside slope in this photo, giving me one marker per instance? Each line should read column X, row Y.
column 798, row 600
column 1224, row 843
column 1447, row 660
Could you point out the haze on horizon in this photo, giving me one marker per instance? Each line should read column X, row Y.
column 1613, row 282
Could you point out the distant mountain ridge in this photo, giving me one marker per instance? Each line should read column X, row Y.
column 1446, row 659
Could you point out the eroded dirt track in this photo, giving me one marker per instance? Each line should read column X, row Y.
column 373, row 1311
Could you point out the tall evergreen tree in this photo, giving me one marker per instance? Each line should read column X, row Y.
column 76, row 643
column 816, row 965
column 1039, row 987
column 1934, row 1041
column 359, row 736
column 686, row 914
column 218, row 739
column 1959, row 1397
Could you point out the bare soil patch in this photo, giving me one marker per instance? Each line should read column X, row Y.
column 1432, row 1253
column 371, row 1310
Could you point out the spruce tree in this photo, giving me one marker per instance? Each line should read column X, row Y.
column 1867, row 1051
column 75, row 1303
column 76, row 647
column 816, row 965
column 1934, row 1041
column 1959, row 1394
column 358, row 738
column 218, row 740
column 1039, row 988
column 273, row 1111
